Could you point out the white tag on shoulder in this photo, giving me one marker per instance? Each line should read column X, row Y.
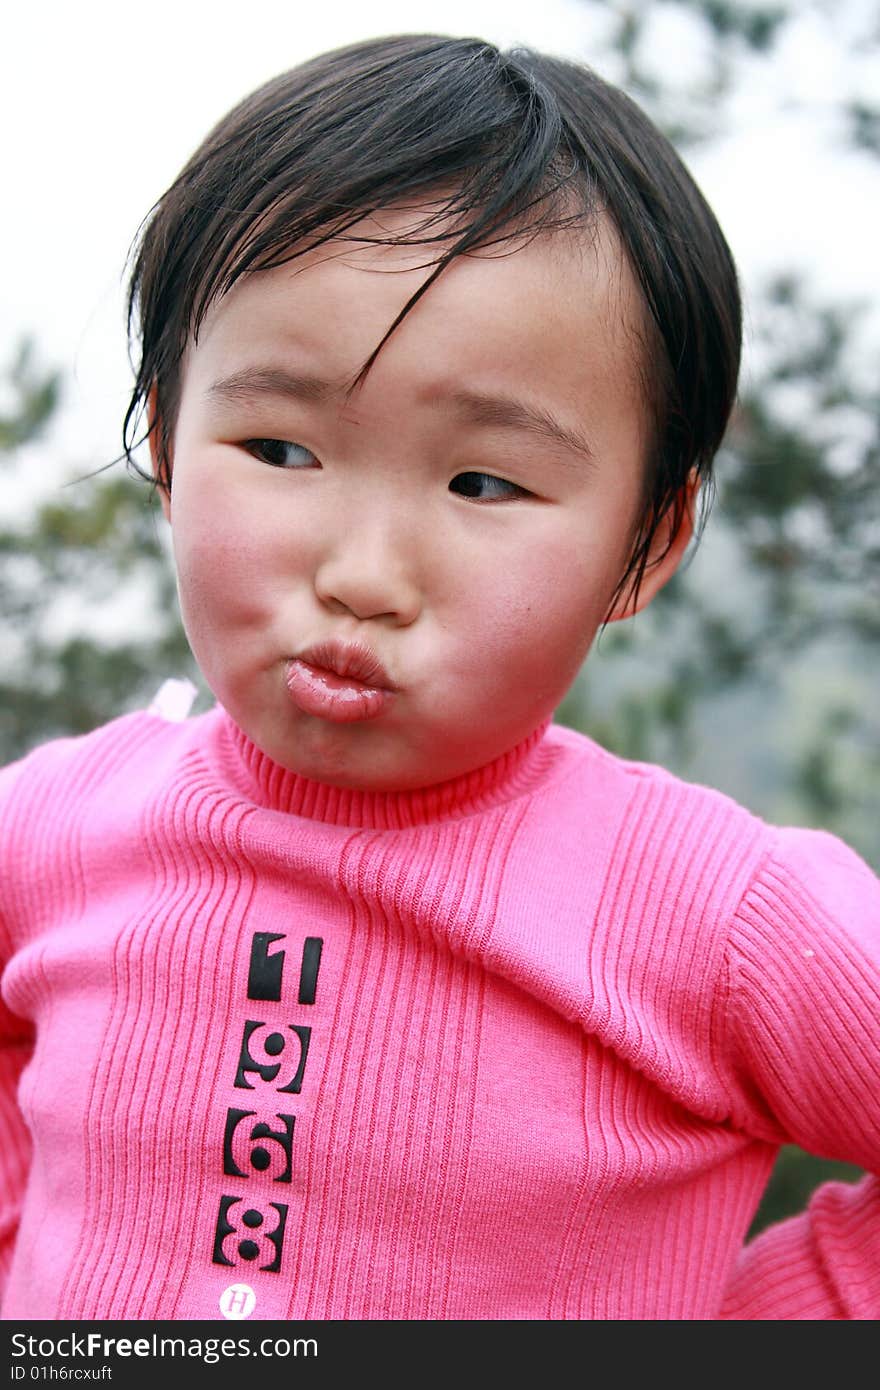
column 173, row 700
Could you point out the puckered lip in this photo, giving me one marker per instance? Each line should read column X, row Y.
column 354, row 659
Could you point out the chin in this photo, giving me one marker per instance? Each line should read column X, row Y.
column 332, row 753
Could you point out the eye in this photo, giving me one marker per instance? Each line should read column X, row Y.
column 281, row 453
column 485, row 486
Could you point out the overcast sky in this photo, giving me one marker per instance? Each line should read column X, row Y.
column 102, row 103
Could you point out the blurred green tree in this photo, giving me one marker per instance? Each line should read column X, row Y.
column 89, row 604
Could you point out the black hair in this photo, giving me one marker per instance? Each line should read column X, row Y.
column 512, row 143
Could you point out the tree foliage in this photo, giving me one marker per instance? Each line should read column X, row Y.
column 89, row 603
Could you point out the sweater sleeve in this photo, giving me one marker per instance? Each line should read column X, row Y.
column 16, row 1034
column 15, row 1148
column 804, row 1012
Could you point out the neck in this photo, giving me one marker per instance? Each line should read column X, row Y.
column 277, row 788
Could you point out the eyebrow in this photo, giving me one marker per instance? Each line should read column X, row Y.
column 252, row 382
column 475, row 407
column 504, row 412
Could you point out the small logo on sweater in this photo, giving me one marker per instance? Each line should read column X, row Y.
column 238, row 1301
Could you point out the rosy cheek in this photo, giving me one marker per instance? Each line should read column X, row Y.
column 218, row 570
column 547, row 611
column 525, row 632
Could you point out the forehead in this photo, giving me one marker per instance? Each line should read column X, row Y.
column 557, row 314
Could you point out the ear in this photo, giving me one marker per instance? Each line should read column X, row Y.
column 666, row 554
column 153, row 438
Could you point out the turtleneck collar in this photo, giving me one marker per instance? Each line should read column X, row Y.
column 266, row 783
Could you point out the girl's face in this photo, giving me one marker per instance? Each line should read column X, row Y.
column 465, row 514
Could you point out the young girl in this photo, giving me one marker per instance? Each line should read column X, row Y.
column 372, row 993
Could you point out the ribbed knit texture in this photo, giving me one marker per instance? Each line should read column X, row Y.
column 521, row 1046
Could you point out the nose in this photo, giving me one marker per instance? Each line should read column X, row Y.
column 368, row 569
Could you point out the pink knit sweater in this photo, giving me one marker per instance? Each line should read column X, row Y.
column 521, row 1046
